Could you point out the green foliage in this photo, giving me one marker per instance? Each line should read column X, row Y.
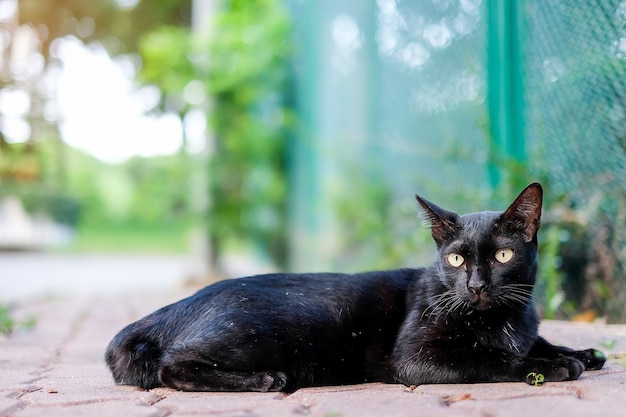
column 142, row 204
column 25, row 173
column 139, row 191
column 247, row 79
column 166, row 53
column 8, row 324
column 376, row 232
column 161, row 192
column 6, row 320
column 249, row 83
column 28, row 323
column 98, row 20
column 550, row 277
column 18, row 162
column 132, row 237
column 608, row 344
column 149, row 15
column 535, row 379
column 71, row 187
column 60, row 206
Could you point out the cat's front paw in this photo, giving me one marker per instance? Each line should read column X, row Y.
column 562, row 369
column 592, row 359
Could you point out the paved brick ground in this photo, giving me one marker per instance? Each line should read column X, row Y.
column 57, row 369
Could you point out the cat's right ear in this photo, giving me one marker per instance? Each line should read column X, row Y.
column 443, row 223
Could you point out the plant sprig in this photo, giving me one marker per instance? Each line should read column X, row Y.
column 535, row 378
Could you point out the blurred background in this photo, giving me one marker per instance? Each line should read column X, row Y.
column 250, row 136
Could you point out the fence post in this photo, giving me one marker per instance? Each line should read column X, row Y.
column 505, row 92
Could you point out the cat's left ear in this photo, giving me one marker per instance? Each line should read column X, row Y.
column 525, row 212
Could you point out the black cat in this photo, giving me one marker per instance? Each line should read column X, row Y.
column 469, row 317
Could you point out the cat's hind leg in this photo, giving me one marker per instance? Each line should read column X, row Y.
column 201, row 376
column 188, row 369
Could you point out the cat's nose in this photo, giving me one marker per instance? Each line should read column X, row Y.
column 477, row 286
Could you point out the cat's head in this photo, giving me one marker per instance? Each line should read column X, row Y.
column 488, row 259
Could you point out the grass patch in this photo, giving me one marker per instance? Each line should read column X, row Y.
column 132, row 238
column 8, row 324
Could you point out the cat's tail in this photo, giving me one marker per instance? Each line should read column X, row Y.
column 134, row 356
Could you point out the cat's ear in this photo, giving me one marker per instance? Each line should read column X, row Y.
column 525, row 212
column 443, row 223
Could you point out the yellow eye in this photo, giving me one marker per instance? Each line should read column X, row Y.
column 455, row 260
column 504, row 255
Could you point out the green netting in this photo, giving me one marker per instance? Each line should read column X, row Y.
column 392, row 98
column 386, row 91
column 576, row 121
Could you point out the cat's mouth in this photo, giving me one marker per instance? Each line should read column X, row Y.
column 480, row 301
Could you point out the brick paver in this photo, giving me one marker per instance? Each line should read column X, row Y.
column 57, row 369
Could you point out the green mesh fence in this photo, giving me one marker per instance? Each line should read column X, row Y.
column 393, row 99
column 576, row 135
column 386, row 91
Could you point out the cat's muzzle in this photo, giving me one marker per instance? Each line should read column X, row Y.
column 480, row 300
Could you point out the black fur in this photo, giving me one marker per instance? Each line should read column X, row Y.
column 473, row 322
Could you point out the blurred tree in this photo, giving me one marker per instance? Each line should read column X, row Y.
column 244, row 71
column 35, row 165
column 248, row 80
column 166, row 54
column 167, row 63
column 120, row 22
